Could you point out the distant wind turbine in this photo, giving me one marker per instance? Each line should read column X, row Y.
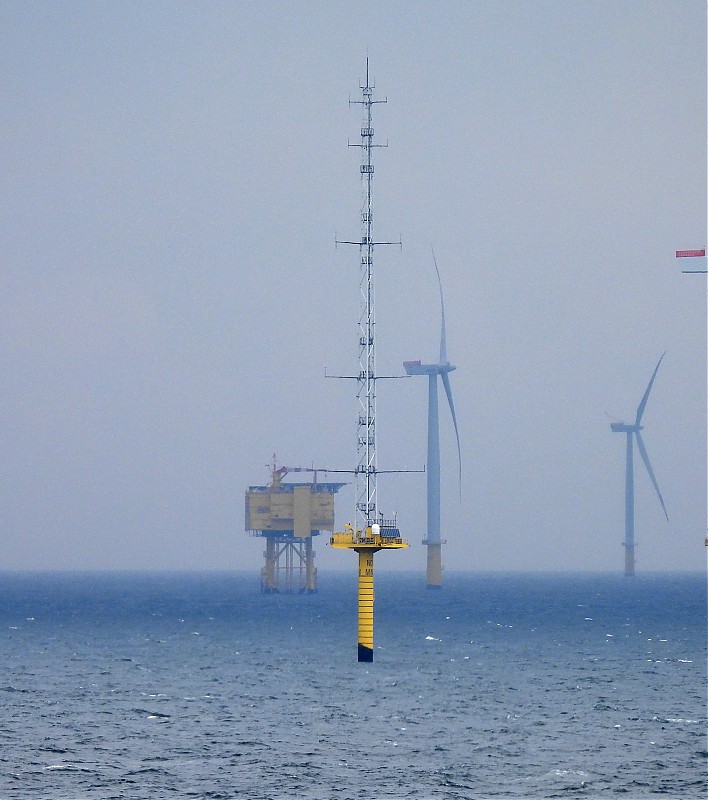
column 633, row 430
column 442, row 369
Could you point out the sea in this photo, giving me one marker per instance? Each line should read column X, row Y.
column 190, row 685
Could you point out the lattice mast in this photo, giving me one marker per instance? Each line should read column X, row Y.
column 371, row 532
column 366, row 471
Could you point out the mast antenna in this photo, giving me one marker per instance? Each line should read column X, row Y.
column 366, row 491
column 371, row 531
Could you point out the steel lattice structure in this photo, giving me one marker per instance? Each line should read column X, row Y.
column 371, row 532
column 366, row 470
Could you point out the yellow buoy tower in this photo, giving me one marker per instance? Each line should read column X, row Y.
column 378, row 536
column 371, row 532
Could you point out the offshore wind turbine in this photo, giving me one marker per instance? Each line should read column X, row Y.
column 441, row 370
column 633, row 431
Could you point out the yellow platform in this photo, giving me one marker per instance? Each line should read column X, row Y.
column 373, row 538
column 366, row 543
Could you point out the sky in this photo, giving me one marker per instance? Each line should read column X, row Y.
column 174, row 176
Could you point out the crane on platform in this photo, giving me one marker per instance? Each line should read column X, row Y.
column 288, row 516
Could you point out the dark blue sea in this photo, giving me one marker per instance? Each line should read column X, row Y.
column 499, row 686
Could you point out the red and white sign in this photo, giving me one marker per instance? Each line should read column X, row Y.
column 690, row 253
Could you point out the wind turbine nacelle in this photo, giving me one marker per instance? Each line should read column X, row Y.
column 418, row 368
column 623, row 427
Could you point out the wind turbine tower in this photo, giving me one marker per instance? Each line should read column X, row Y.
column 632, row 431
column 441, row 370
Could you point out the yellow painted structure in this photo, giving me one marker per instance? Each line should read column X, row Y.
column 300, row 508
column 366, row 603
column 288, row 516
column 377, row 537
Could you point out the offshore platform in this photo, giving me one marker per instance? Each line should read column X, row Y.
column 288, row 516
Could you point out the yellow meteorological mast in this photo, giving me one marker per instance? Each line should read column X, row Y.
column 377, row 537
column 371, row 532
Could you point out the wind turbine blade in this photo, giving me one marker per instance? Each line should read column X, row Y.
column 448, row 391
column 443, row 345
column 642, row 405
column 645, row 459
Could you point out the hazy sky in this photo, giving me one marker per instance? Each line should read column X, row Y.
column 173, row 177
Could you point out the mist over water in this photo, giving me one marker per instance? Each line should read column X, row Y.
column 175, row 176
column 196, row 685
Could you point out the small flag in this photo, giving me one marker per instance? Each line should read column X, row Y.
column 690, row 253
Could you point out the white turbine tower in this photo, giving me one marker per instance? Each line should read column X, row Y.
column 633, row 430
column 433, row 371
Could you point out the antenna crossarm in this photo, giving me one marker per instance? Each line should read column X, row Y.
column 370, row 471
column 371, row 377
column 397, row 471
column 368, row 244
